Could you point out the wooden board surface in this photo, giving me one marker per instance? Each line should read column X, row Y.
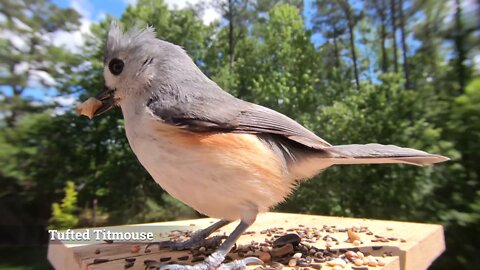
column 412, row 246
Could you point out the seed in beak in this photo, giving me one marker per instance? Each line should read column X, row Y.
column 89, row 107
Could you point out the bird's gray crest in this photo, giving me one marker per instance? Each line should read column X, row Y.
column 135, row 37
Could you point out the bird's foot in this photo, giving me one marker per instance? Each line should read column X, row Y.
column 195, row 241
column 213, row 262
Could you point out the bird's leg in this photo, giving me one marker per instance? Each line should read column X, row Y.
column 214, row 261
column 196, row 240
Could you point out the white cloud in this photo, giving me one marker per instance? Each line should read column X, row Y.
column 180, row 3
column 17, row 41
column 467, row 6
column 71, row 40
column 209, row 15
column 74, row 40
column 65, row 100
column 63, row 103
column 476, row 62
column 21, row 25
column 3, row 18
column 130, row 2
column 41, row 76
column 101, row 16
column 20, row 68
column 84, row 7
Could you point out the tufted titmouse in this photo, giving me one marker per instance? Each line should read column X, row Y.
column 225, row 157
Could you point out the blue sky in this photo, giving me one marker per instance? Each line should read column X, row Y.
column 95, row 10
column 96, row 7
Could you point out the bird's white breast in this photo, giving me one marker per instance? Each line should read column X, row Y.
column 225, row 176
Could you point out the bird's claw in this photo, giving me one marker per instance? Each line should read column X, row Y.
column 213, row 242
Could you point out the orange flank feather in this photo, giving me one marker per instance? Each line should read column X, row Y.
column 248, row 151
column 237, row 151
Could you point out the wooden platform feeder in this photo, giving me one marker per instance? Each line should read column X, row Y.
column 400, row 245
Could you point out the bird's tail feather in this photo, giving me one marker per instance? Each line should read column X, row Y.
column 379, row 154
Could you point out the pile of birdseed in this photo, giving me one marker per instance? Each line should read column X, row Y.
column 293, row 247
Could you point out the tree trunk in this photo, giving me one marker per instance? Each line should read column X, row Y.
column 384, row 50
column 380, row 10
column 349, row 17
column 94, row 213
column 17, row 92
column 404, row 45
column 335, row 47
column 394, row 35
column 354, row 55
column 231, row 49
column 460, row 48
column 337, row 55
column 478, row 11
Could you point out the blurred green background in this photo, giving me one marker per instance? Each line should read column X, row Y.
column 402, row 72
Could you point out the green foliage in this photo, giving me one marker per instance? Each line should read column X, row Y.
column 279, row 63
column 465, row 125
column 462, row 217
column 382, row 113
column 64, row 215
column 278, row 72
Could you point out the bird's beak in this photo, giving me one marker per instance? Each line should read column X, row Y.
column 107, row 98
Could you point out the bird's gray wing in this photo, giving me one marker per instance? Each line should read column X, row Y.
column 233, row 115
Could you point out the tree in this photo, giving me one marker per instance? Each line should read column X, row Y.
column 459, row 45
column 262, row 51
column 334, row 73
column 427, row 67
column 465, row 127
column 387, row 114
column 331, row 24
column 352, row 18
column 403, row 39
column 237, row 14
column 379, row 11
column 231, row 40
column 393, row 21
column 63, row 215
column 460, row 33
column 462, row 217
column 244, row 18
column 278, row 72
column 32, row 58
column 343, row 16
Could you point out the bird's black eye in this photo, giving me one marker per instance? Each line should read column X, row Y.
column 116, row 66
